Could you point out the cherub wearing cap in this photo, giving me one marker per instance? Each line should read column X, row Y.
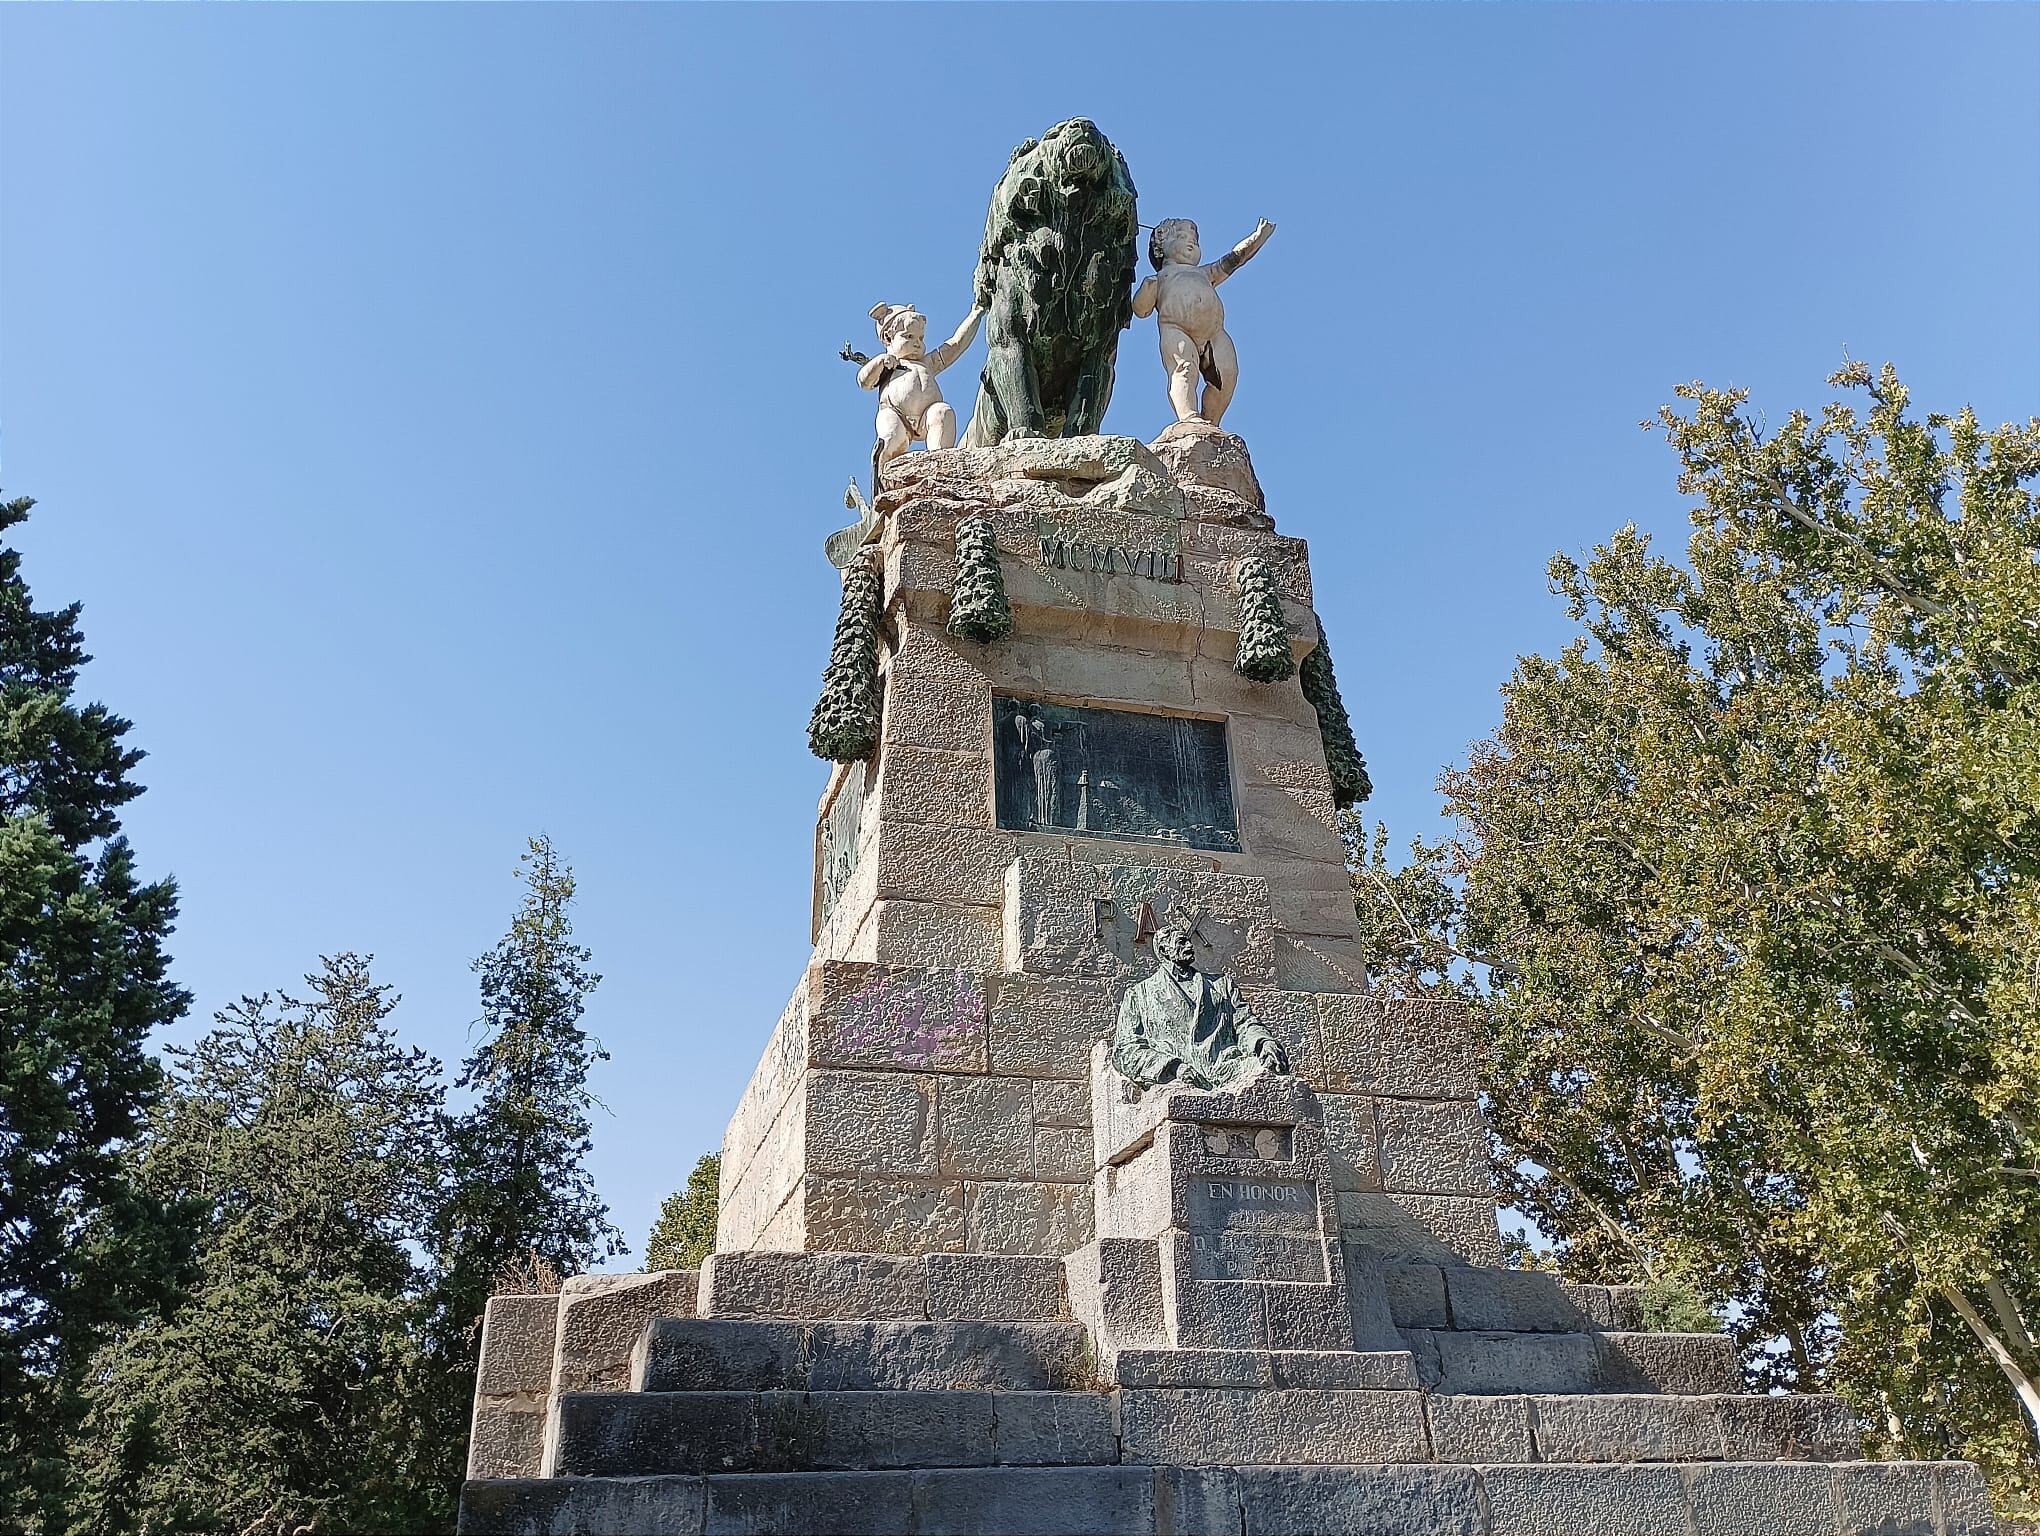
column 1183, row 298
column 910, row 403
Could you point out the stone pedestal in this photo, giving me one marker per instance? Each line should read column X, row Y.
column 966, row 1284
column 982, row 894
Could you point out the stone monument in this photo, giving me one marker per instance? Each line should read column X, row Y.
column 1084, row 1187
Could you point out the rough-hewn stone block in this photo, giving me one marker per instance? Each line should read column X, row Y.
column 985, row 1127
column 1480, row 1429
column 954, row 788
column 640, row 1506
column 1684, row 1363
column 1275, row 1426
column 899, row 1018
column 1895, row 1500
column 870, row 1213
column 1505, row 1362
column 824, row 1503
column 812, row 1285
column 1625, row 1427
column 1361, row 1501
column 1777, row 1498
column 1047, row 1429
column 1810, row 1428
column 870, row 1122
column 601, row 1319
column 517, row 1345
column 1515, row 1300
column 1045, row 1026
column 1028, row 1217
column 506, row 1441
column 1965, row 1502
column 1433, row 1146
column 1587, row 1501
column 947, row 1355
column 996, row 1286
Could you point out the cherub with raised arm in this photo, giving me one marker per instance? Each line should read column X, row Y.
column 910, row 403
column 1183, row 297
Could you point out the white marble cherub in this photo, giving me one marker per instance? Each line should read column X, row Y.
column 910, row 403
column 1183, row 298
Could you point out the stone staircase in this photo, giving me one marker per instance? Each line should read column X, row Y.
column 830, row 1394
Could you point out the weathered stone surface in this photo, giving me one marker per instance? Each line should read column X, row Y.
column 899, row 1018
column 1380, row 1370
column 1044, row 1501
column 1588, row 1501
column 1809, row 1428
column 985, row 1127
column 517, row 1345
column 715, row 1354
column 1895, row 1500
column 999, row 1287
column 1965, row 1503
column 1319, row 963
column 507, row 1441
column 1115, row 1290
column 1415, row 1293
column 1440, row 1229
column 1053, row 927
column 1431, row 1146
column 812, row 1285
column 935, row 697
column 1777, row 1498
column 1361, row 1501
column 1351, row 1137
column 601, row 1319
column 1049, row 1429
column 1685, row 1363
column 1480, row 1429
column 957, row 935
column 875, row 1214
column 876, row 1122
column 1197, row 454
column 1046, row 1026
column 1028, row 1217
column 1406, row 1048
column 1517, row 1300
column 640, row 1506
column 821, row 1503
column 1505, row 1362
column 949, row 788
column 935, row 1356
column 1276, row 1426
column 1622, row 1427
column 918, row 861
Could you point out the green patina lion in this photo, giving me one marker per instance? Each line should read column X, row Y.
column 1056, row 275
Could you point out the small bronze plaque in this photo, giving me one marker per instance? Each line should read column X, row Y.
column 1114, row 773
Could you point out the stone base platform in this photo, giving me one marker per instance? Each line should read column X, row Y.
column 829, row 1394
column 1547, row 1499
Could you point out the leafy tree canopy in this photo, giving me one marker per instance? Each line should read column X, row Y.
column 1750, row 875
column 684, row 1234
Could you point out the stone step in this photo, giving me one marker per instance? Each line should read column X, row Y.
column 802, row 1287
column 1621, row 1427
column 1546, row 1499
column 692, row 1354
column 625, row 1434
column 1380, row 1369
column 1486, row 1363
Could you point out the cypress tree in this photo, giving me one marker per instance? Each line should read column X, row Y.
column 1350, row 782
column 283, row 1395
column 1264, row 634
column 844, row 726
column 83, row 980
column 978, row 609
column 520, row 1197
column 684, row 1234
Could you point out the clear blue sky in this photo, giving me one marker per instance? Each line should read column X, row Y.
column 437, row 412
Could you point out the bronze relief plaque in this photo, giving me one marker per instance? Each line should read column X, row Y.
column 1113, row 773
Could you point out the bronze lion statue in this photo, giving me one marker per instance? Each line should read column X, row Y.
column 1056, row 276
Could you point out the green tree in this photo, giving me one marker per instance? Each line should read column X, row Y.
column 520, row 1197
column 282, row 1395
column 83, row 980
column 1752, row 873
column 684, row 1234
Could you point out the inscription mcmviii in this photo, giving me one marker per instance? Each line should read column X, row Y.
column 1113, row 773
